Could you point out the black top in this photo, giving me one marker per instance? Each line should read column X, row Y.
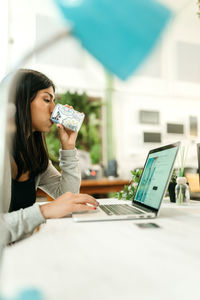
column 23, row 194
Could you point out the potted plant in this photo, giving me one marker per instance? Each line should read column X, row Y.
column 129, row 190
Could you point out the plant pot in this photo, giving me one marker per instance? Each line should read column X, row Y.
column 171, row 190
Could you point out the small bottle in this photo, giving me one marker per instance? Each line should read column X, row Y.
column 182, row 191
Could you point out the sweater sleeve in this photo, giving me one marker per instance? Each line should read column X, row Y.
column 55, row 183
column 4, row 234
column 23, row 222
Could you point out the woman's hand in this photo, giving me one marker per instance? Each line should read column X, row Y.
column 68, row 203
column 67, row 137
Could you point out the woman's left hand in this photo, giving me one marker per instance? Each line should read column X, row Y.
column 67, row 137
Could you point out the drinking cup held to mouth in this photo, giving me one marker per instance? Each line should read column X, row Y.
column 68, row 117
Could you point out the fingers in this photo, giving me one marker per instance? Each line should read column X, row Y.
column 69, row 106
column 84, row 207
column 85, row 198
column 59, row 126
column 61, row 130
column 73, row 135
column 69, row 131
column 69, row 203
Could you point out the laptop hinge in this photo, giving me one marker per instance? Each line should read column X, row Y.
column 143, row 208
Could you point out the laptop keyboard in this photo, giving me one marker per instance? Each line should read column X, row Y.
column 119, row 209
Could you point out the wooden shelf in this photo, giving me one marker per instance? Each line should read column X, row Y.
column 100, row 186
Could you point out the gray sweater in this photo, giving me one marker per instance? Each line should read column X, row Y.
column 23, row 222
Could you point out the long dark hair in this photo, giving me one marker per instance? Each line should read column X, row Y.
column 29, row 148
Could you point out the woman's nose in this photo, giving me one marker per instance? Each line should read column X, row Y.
column 52, row 107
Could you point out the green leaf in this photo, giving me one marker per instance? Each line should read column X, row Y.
column 137, row 179
column 126, row 188
column 129, row 190
column 120, row 195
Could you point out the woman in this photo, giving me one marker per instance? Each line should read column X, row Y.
column 34, row 97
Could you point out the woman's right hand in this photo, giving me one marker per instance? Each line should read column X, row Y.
column 68, row 203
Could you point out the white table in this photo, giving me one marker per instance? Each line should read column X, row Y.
column 110, row 260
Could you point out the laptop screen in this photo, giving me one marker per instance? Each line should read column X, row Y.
column 155, row 176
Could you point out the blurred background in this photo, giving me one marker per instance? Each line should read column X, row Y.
column 160, row 104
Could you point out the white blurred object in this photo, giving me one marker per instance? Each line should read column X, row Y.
column 88, row 170
column 177, row 5
column 84, row 161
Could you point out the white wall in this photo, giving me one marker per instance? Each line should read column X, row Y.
column 3, row 37
column 76, row 70
column 174, row 99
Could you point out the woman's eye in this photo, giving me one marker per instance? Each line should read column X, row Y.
column 47, row 100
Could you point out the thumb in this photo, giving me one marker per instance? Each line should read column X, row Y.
column 59, row 126
column 60, row 129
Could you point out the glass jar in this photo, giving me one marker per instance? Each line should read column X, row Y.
column 182, row 191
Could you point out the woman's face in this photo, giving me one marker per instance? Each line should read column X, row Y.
column 41, row 109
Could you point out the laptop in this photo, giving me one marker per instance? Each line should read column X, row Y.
column 150, row 191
